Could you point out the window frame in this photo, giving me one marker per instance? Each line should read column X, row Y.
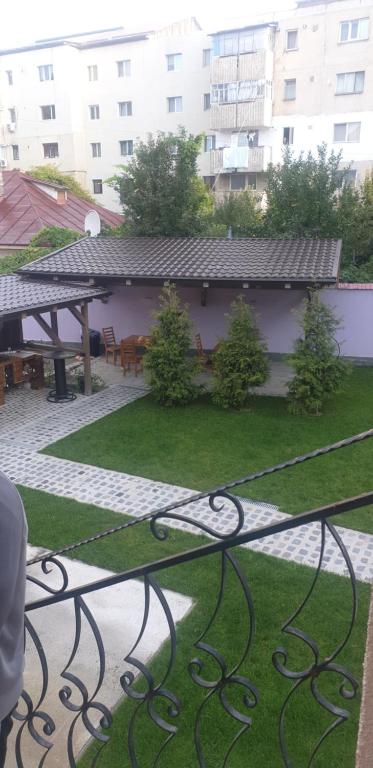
column 175, row 99
column 46, row 69
column 99, row 183
column 9, row 74
column 238, row 176
column 206, row 101
column 122, row 68
column 15, row 152
column 52, row 111
column 126, row 141
column 350, row 22
column 47, row 153
column 206, row 57
column 175, row 57
column 348, row 129
column 12, row 114
column 354, row 91
column 127, row 108
column 209, row 142
column 286, row 86
column 291, row 32
column 94, row 111
column 92, row 72
column 96, row 149
column 290, row 141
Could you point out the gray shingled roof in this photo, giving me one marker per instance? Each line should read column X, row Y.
column 194, row 259
column 19, row 294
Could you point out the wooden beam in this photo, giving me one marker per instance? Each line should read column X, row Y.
column 54, row 322
column 48, row 330
column 78, row 315
column 87, row 352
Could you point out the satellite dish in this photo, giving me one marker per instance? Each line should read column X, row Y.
column 92, row 223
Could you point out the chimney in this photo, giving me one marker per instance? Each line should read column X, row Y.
column 61, row 196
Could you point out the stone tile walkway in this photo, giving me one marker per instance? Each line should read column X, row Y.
column 135, row 496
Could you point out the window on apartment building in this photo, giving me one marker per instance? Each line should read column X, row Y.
column 9, row 75
column 15, row 151
column 206, row 57
column 246, row 41
column 94, row 111
column 350, row 82
column 124, row 68
column 46, row 72
column 238, row 181
column 48, row 112
column 209, row 143
column 245, row 90
column 288, row 136
column 51, row 150
column 209, row 181
column 92, row 72
column 291, row 39
column 126, row 147
column 174, row 62
column 252, row 139
column 96, row 149
column 290, row 90
column 125, row 108
column 175, row 104
column 347, row 132
column 251, row 180
column 206, row 101
column 356, row 29
column 97, row 186
column 12, row 115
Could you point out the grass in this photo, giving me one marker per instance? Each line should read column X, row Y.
column 200, row 446
column 277, row 588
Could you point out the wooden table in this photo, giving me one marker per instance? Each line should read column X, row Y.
column 25, row 366
column 137, row 341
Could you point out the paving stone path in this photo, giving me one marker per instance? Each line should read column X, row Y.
column 136, row 496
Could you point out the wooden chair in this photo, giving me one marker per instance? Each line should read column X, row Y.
column 129, row 357
column 111, row 346
column 201, row 354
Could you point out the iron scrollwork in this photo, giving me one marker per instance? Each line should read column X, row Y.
column 348, row 687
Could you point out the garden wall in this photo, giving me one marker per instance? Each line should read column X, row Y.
column 129, row 310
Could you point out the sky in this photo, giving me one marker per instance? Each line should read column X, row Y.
column 29, row 20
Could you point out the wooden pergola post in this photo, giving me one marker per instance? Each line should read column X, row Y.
column 87, row 352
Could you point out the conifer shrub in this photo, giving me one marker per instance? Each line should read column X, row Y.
column 240, row 364
column 319, row 370
column 171, row 370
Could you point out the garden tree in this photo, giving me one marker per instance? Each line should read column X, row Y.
column 170, row 369
column 51, row 172
column 319, row 371
column 160, row 190
column 304, row 194
column 46, row 240
column 240, row 364
column 238, row 211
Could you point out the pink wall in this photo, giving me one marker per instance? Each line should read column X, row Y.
column 129, row 310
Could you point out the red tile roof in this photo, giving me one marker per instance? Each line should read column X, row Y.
column 355, row 286
column 25, row 209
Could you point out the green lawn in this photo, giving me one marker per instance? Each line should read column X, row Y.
column 200, row 446
column 277, row 588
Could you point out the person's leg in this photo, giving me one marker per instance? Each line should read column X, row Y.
column 6, row 726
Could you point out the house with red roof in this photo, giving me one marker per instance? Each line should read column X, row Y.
column 27, row 205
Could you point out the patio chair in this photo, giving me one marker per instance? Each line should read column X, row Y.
column 129, row 357
column 201, row 354
column 111, row 346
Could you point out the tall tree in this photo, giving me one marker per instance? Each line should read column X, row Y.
column 304, row 194
column 160, row 189
column 241, row 212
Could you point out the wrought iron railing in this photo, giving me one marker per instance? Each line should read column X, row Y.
column 38, row 734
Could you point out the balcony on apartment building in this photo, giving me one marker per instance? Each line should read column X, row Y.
column 251, row 159
column 241, row 78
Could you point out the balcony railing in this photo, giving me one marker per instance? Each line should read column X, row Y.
column 153, row 696
column 222, row 160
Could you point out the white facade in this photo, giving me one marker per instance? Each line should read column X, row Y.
column 107, row 94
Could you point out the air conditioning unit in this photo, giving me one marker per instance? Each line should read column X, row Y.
column 11, row 127
column 3, row 163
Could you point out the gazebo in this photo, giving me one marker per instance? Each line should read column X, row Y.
column 21, row 298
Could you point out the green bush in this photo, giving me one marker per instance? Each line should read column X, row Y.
column 240, row 364
column 319, row 371
column 171, row 370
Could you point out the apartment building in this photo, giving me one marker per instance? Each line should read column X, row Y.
column 296, row 78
